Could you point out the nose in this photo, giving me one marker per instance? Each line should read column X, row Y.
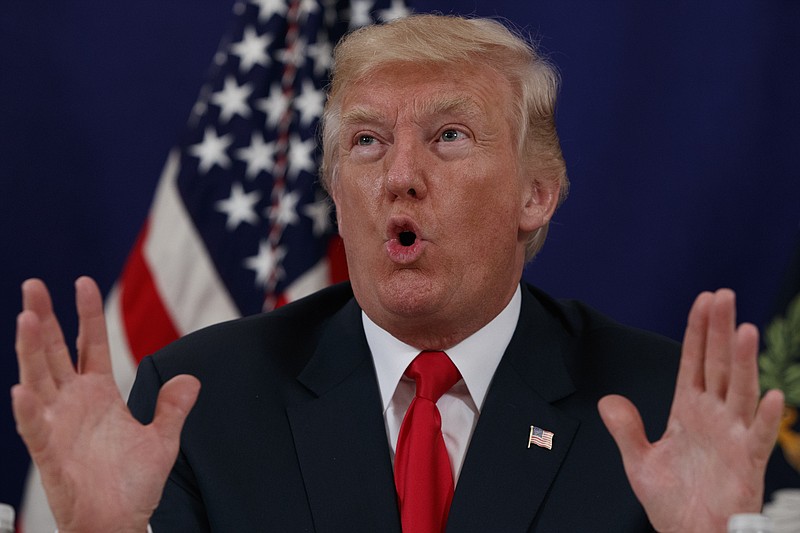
column 405, row 170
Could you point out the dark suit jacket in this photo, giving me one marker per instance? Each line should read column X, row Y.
column 288, row 432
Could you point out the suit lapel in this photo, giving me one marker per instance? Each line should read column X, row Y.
column 340, row 436
column 503, row 482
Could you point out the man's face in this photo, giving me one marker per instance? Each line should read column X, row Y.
column 432, row 204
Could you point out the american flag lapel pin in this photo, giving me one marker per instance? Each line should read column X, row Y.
column 541, row 437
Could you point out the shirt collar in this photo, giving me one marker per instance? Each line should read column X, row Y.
column 476, row 357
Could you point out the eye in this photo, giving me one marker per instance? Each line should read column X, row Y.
column 451, row 135
column 365, row 140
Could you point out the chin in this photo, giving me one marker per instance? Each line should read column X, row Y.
column 409, row 293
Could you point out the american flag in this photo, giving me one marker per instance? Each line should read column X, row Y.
column 239, row 223
column 541, row 437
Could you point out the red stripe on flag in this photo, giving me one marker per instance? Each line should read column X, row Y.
column 337, row 260
column 148, row 324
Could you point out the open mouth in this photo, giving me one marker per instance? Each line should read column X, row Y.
column 407, row 238
column 405, row 242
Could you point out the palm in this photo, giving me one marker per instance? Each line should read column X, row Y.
column 101, row 469
column 704, row 464
column 710, row 462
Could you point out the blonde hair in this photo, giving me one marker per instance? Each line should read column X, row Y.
column 440, row 39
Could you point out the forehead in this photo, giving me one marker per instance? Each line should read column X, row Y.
column 472, row 91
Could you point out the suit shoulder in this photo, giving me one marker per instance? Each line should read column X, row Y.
column 582, row 321
column 288, row 332
column 604, row 356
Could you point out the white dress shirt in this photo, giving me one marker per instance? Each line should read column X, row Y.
column 476, row 357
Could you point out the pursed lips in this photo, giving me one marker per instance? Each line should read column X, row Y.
column 404, row 242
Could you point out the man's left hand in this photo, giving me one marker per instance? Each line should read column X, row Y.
column 710, row 462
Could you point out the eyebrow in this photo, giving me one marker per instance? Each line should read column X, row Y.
column 361, row 115
column 449, row 105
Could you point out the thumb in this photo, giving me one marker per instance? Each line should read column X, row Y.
column 29, row 415
column 766, row 424
column 175, row 400
column 623, row 421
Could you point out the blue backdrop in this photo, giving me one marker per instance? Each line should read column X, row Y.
column 679, row 123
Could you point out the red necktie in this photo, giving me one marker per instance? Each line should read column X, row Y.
column 422, row 472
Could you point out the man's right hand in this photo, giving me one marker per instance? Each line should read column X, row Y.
column 101, row 469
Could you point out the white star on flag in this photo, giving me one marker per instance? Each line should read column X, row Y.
column 307, row 8
column 239, row 206
column 265, row 264
column 396, row 11
column 321, row 53
column 319, row 213
column 309, row 103
column 359, row 13
column 259, row 155
column 294, row 55
column 268, row 8
column 274, row 105
column 211, row 150
column 301, row 156
column 285, row 213
column 232, row 99
column 251, row 50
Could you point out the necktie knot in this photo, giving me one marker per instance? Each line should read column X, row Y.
column 434, row 374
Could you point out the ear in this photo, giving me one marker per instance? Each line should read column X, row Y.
column 334, row 194
column 539, row 202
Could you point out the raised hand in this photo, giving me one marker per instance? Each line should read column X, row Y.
column 710, row 462
column 101, row 469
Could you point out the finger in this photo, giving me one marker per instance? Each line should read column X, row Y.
column 34, row 372
column 743, row 392
column 28, row 413
column 764, row 429
column 93, row 351
column 36, row 298
column 625, row 425
column 175, row 400
column 691, row 374
column 720, row 341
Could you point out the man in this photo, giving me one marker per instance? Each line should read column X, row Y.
column 443, row 162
